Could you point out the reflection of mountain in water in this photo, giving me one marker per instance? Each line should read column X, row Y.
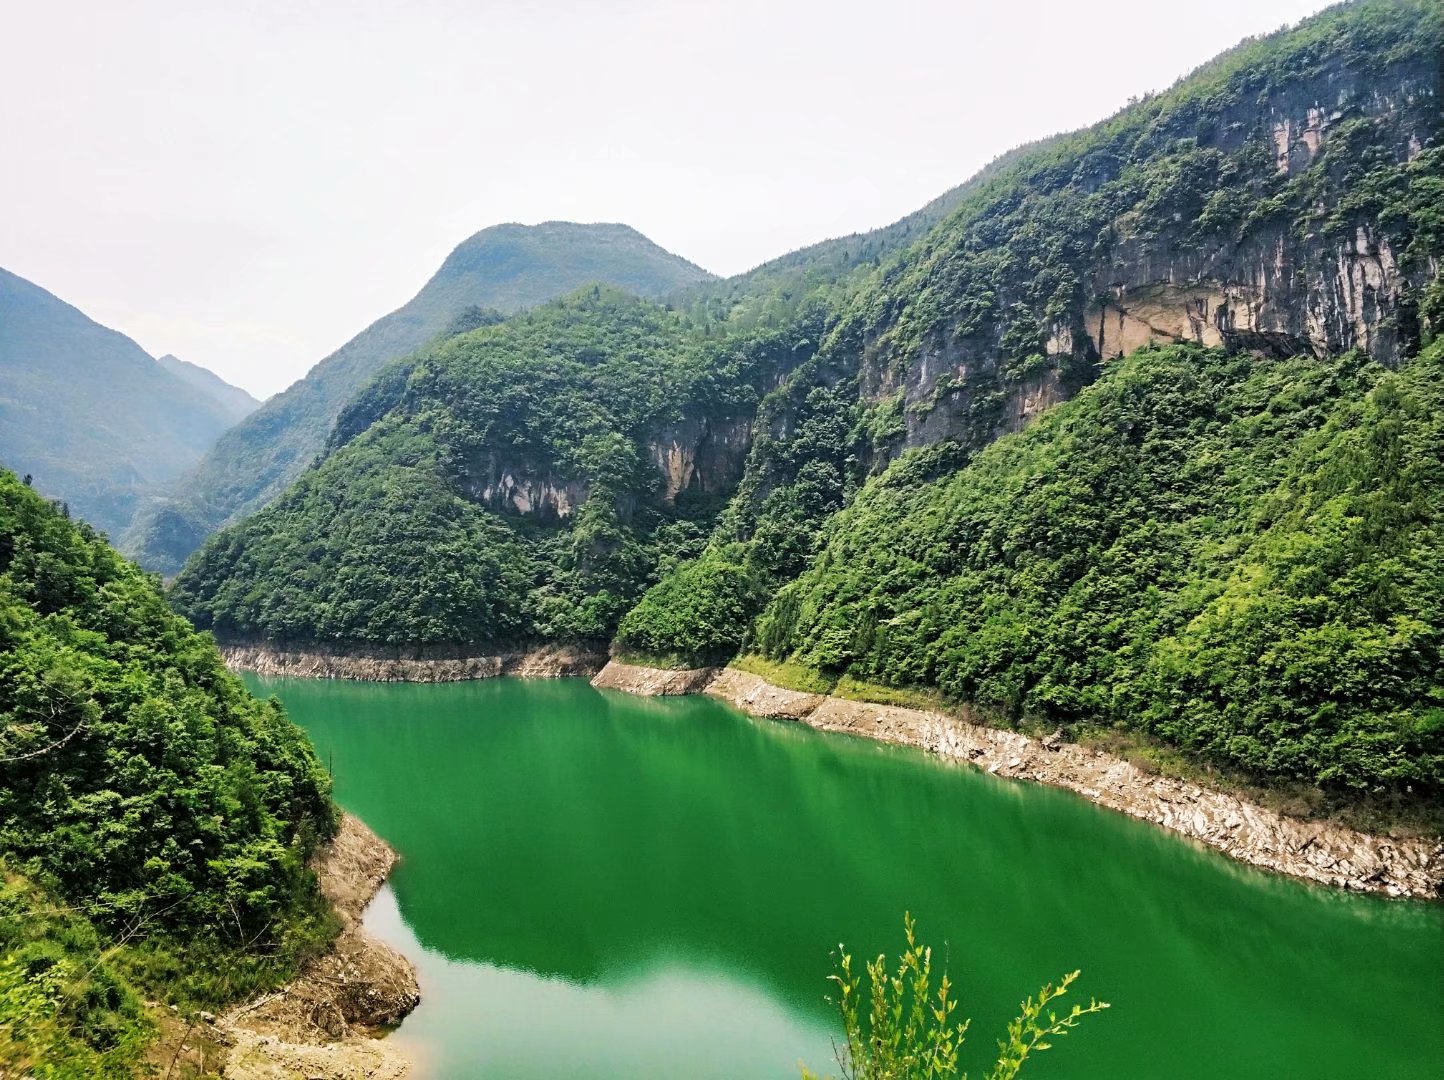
column 608, row 841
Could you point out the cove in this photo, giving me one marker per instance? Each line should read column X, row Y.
column 599, row 885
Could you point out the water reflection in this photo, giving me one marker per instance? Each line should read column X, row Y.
column 652, row 881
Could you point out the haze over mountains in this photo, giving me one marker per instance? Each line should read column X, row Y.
column 503, row 269
column 94, row 419
column 237, row 403
column 1135, row 439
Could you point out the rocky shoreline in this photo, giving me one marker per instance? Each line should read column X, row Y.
column 412, row 665
column 327, row 1023
column 1322, row 852
column 324, row 1024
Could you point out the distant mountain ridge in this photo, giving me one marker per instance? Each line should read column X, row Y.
column 236, row 402
column 505, row 268
column 96, row 420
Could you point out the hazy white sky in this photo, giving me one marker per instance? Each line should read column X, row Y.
column 248, row 184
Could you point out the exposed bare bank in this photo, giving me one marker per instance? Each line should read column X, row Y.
column 652, row 682
column 322, row 1026
column 1318, row 851
column 412, row 665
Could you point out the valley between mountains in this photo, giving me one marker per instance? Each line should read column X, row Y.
column 1118, row 468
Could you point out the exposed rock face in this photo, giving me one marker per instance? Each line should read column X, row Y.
column 1318, row 851
column 650, row 681
column 1273, row 294
column 515, row 487
column 412, row 664
column 702, row 453
column 758, row 697
column 1271, row 287
column 321, row 1024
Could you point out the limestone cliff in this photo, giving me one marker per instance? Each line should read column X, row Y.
column 1247, row 229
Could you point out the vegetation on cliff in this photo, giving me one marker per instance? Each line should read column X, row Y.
column 506, row 268
column 498, row 487
column 155, row 819
column 545, row 477
column 1002, row 302
column 1002, row 298
column 1244, row 557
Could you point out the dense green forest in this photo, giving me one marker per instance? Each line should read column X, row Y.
column 505, row 268
column 1025, row 258
column 1243, row 556
column 155, row 819
column 1034, row 448
column 493, row 489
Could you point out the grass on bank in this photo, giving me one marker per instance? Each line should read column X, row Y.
column 1372, row 812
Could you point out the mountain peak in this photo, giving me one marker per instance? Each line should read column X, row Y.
column 505, row 268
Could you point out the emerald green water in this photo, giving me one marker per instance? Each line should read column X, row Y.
column 602, row 886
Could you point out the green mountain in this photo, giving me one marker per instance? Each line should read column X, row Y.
column 86, row 412
column 1241, row 555
column 504, row 269
column 236, row 402
column 782, row 287
column 1061, row 456
column 155, row 819
column 503, row 485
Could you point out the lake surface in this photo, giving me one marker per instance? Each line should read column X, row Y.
column 603, row 886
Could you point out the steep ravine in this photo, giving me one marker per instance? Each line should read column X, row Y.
column 1317, row 851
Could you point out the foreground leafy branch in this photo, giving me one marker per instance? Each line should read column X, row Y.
column 909, row 1032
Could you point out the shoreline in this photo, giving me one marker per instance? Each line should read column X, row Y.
column 1322, row 852
column 421, row 665
column 327, row 1022
column 330, row 1021
column 1317, row 851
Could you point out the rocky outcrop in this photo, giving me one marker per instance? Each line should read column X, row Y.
column 700, row 453
column 650, row 681
column 758, row 697
column 517, row 486
column 420, row 664
column 1315, row 850
column 322, row 1025
column 1280, row 283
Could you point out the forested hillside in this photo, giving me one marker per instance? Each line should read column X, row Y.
column 500, row 270
column 1096, row 245
column 155, row 819
column 1169, row 319
column 1243, row 556
column 87, row 413
column 521, row 481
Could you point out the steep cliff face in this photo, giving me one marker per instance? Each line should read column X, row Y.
column 701, row 454
column 517, row 487
column 1282, row 201
column 1280, row 223
column 542, row 473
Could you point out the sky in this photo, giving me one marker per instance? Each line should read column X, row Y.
column 247, row 185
